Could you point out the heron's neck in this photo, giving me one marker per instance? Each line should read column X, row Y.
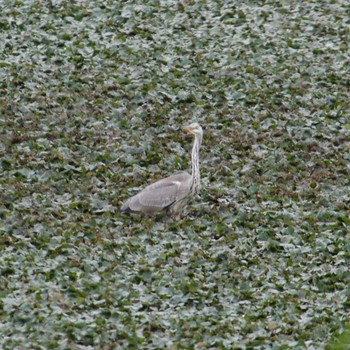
column 195, row 163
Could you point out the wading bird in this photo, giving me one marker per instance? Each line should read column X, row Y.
column 171, row 194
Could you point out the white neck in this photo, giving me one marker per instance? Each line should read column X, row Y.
column 195, row 163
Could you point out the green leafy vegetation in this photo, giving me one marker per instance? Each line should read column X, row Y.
column 340, row 341
column 92, row 97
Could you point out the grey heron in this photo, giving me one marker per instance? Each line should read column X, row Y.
column 171, row 194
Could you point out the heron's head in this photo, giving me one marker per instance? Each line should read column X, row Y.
column 194, row 129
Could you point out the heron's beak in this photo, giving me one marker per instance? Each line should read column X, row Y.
column 186, row 129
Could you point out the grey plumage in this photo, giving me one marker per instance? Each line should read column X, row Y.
column 172, row 193
column 160, row 195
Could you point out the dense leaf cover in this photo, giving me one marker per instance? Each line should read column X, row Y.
column 92, row 97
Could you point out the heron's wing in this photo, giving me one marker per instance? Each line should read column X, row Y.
column 182, row 179
column 160, row 194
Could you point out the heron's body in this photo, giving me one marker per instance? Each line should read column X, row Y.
column 161, row 195
column 172, row 193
